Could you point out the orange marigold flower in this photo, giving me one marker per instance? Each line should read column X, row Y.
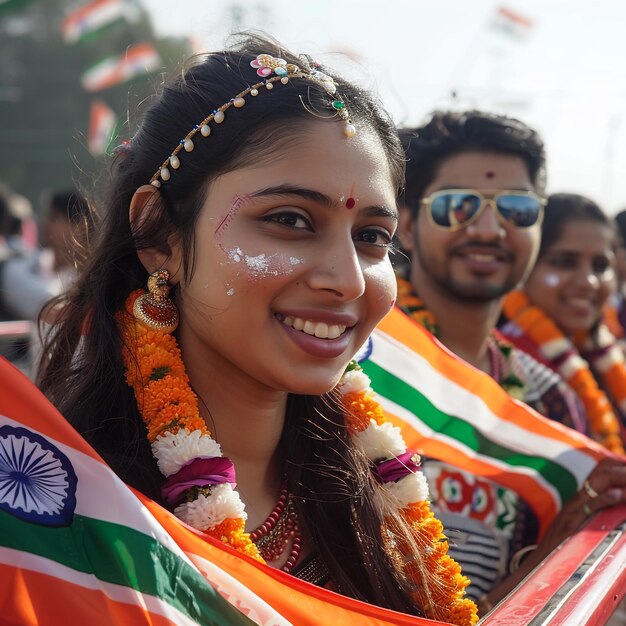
column 232, row 532
column 174, row 417
column 360, row 409
column 167, row 391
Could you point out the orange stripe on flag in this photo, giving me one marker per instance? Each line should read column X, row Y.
column 28, row 597
column 26, row 404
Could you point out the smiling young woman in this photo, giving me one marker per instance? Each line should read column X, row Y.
column 258, row 202
column 558, row 314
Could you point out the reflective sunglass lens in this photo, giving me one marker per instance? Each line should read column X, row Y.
column 453, row 209
column 520, row 210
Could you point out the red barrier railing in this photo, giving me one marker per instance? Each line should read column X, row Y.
column 581, row 582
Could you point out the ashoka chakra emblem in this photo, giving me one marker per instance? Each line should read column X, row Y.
column 37, row 481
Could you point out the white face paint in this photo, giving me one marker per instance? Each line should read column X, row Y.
column 551, row 280
column 264, row 264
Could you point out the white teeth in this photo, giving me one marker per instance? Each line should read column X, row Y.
column 580, row 301
column 334, row 331
column 482, row 257
column 321, row 330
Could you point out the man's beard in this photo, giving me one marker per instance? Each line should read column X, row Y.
column 475, row 293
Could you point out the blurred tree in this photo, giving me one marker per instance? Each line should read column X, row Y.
column 44, row 111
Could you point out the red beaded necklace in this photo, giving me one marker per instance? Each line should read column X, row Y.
column 280, row 529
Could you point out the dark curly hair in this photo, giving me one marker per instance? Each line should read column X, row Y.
column 447, row 133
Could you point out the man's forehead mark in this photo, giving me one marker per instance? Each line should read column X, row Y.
column 490, row 174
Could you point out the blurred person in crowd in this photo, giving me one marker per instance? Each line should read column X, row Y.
column 617, row 306
column 64, row 231
column 23, row 291
column 559, row 314
column 462, row 264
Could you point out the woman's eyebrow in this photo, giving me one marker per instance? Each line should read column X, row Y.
column 378, row 210
column 324, row 200
column 296, row 190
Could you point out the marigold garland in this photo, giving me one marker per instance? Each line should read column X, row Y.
column 606, row 357
column 562, row 353
column 443, row 597
column 178, row 435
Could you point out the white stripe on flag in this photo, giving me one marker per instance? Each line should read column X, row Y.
column 455, row 400
column 256, row 609
column 100, row 494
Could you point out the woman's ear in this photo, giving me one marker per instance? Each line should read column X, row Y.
column 405, row 228
column 144, row 201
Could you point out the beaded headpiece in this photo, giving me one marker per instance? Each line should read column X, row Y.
column 272, row 70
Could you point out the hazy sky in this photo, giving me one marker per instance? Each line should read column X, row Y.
column 566, row 76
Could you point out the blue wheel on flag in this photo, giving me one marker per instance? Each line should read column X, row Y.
column 37, row 481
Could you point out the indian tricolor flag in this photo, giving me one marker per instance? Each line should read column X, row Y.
column 102, row 122
column 138, row 60
column 511, row 22
column 91, row 19
column 77, row 546
column 453, row 412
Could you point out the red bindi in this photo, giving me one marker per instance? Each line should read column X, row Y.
column 350, row 202
column 490, row 174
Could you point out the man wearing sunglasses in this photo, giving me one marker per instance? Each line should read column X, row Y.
column 470, row 223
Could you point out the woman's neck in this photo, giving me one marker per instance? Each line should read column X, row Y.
column 246, row 418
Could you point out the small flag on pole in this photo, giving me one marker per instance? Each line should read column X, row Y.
column 138, row 60
column 91, row 19
column 102, row 122
column 512, row 23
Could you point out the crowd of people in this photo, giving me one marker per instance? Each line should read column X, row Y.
column 206, row 331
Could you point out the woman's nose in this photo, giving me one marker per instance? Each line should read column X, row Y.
column 338, row 269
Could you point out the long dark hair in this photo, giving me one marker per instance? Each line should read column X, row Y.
column 82, row 370
column 562, row 208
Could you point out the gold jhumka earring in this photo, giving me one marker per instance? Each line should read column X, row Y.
column 154, row 308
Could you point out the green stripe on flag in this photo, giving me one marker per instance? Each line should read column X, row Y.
column 89, row 36
column 120, row 555
column 389, row 386
column 10, row 5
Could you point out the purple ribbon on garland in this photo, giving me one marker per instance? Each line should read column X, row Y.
column 202, row 471
column 393, row 470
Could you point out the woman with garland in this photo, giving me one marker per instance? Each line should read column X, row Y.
column 257, row 202
column 558, row 316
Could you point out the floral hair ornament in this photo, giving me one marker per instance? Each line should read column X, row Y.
column 272, row 70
